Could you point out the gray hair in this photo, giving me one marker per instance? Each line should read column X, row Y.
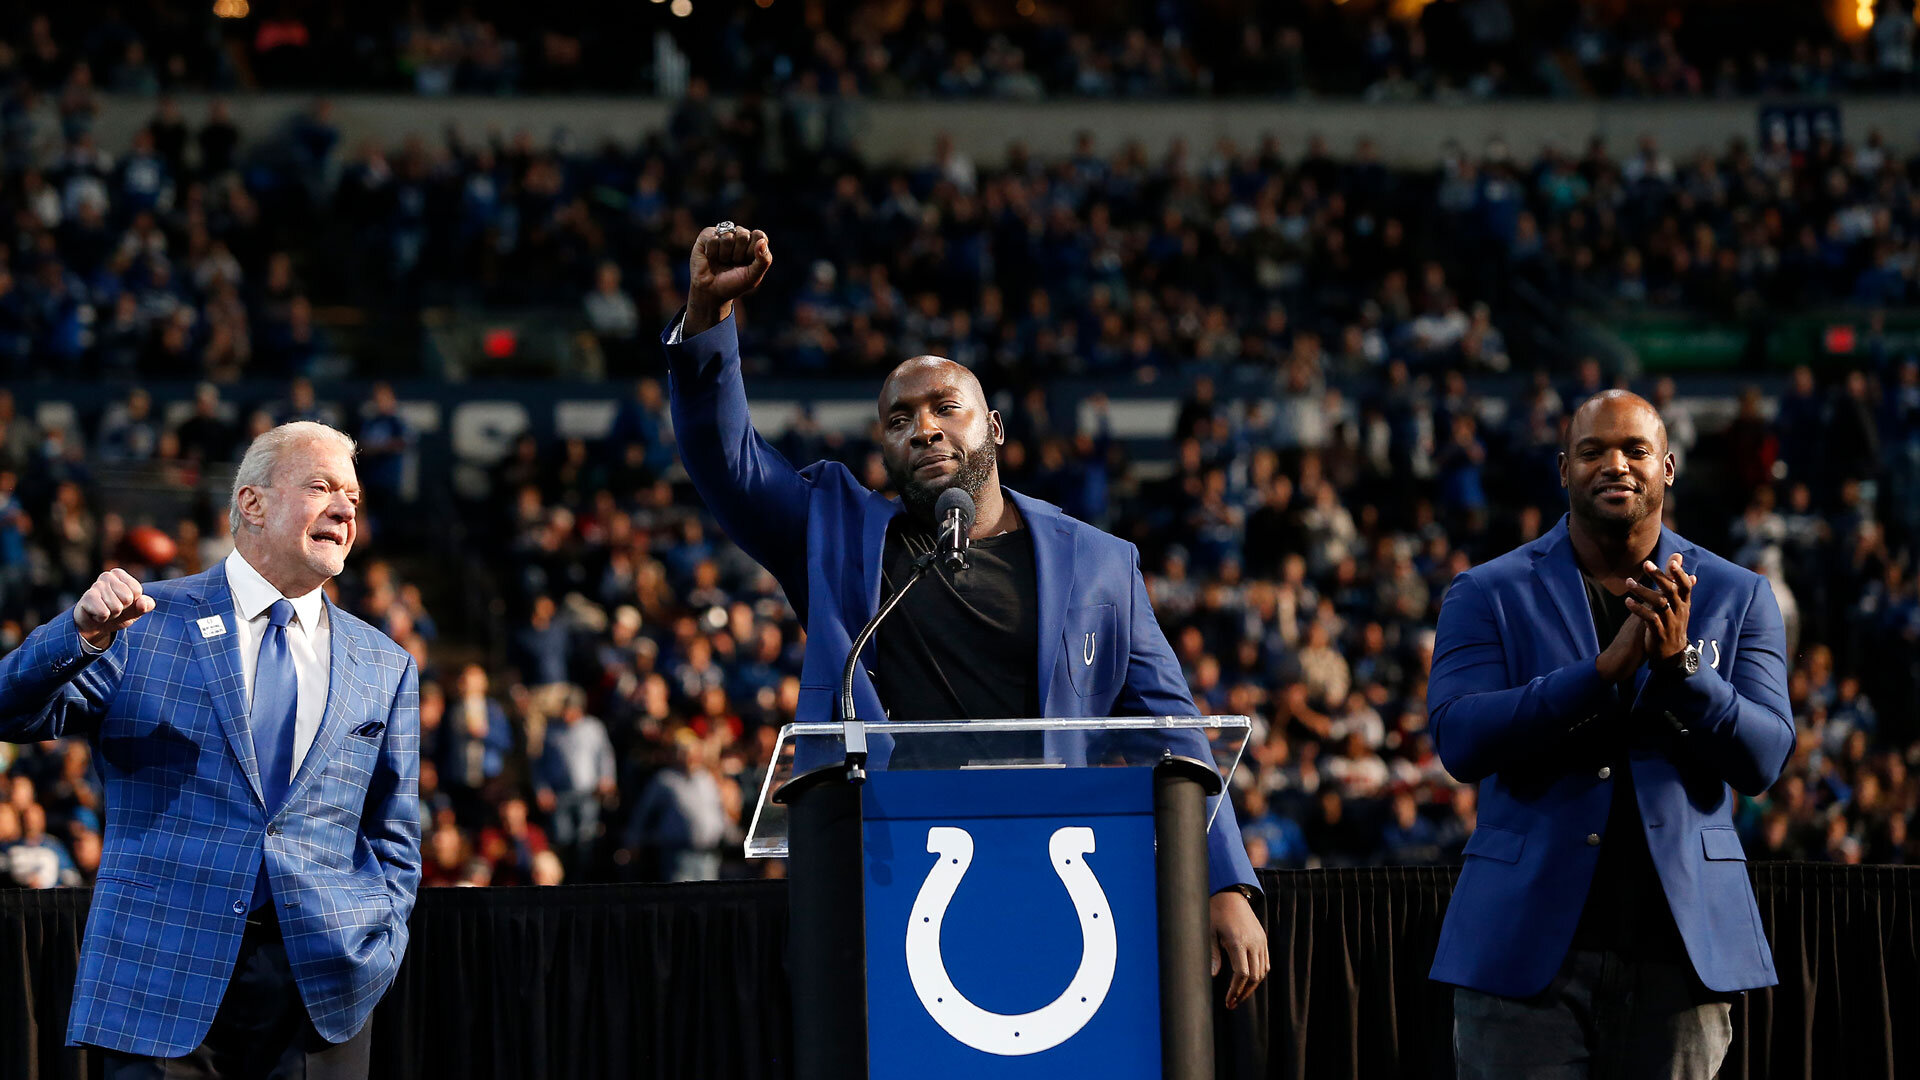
column 264, row 453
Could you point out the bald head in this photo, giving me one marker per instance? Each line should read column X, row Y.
column 917, row 375
column 1612, row 404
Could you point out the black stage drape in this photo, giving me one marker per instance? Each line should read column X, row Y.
column 686, row 981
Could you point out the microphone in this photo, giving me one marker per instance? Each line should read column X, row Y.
column 954, row 511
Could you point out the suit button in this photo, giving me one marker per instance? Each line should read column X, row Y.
column 1593, row 839
column 239, row 907
column 1604, row 773
column 273, row 830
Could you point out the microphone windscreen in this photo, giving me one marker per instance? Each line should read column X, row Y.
column 955, row 499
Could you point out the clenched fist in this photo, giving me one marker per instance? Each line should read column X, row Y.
column 114, row 601
column 724, row 268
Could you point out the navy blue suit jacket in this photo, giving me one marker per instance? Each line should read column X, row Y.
column 1513, row 677
column 821, row 532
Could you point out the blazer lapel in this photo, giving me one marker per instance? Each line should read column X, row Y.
column 218, row 657
column 343, row 689
column 1053, row 572
column 873, row 543
column 1559, row 574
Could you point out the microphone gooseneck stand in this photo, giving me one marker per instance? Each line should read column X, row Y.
column 854, row 728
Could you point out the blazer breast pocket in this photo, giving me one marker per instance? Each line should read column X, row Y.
column 1091, row 649
column 1714, row 636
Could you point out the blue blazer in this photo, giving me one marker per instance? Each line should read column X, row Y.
column 821, row 532
column 1513, row 676
column 166, row 712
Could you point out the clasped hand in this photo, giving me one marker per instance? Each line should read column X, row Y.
column 1658, row 631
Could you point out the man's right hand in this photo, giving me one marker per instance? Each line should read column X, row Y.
column 1622, row 658
column 724, row 269
column 114, row 601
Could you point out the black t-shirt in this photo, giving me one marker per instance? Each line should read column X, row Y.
column 1626, row 909
column 961, row 646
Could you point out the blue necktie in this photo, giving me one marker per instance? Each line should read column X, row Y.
column 276, row 699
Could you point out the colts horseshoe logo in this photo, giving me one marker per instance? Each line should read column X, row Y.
column 1702, row 646
column 1045, row 1027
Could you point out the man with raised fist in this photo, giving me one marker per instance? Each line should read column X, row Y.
column 260, row 752
column 983, row 643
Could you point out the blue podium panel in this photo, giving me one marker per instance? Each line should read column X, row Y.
column 1011, row 924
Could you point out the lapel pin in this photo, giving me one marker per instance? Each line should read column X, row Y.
column 212, row 626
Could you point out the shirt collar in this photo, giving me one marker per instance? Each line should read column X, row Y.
column 253, row 594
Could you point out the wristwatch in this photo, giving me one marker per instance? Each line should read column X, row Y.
column 1683, row 663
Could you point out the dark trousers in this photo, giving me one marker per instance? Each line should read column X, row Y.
column 1604, row 1017
column 261, row 1032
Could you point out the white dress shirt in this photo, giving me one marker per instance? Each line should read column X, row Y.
column 308, row 639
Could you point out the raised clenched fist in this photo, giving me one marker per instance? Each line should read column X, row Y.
column 723, row 269
column 114, row 601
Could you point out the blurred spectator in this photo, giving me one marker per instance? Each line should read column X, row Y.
column 1408, row 838
column 679, row 821
column 577, row 778
column 386, row 454
column 129, row 432
column 446, row 856
column 544, row 648
column 1335, row 834
column 209, row 434
column 476, row 738
column 614, row 318
column 36, row 859
column 1281, row 843
column 511, row 845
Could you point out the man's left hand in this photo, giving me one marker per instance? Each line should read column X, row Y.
column 1238, row 935
column 1665, row 609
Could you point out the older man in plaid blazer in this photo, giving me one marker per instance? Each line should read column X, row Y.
column 260, row 753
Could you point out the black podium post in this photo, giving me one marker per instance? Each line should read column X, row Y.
column 1180, row 790
column 827, row 950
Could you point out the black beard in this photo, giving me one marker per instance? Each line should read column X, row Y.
column 977, row 466
column 1588, row 511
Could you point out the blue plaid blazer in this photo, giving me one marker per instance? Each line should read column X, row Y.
column 166, row 711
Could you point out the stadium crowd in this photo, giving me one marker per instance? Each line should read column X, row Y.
column 1350, row 400
column 1297, row 565
column 962, row 49
column 190, row 254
